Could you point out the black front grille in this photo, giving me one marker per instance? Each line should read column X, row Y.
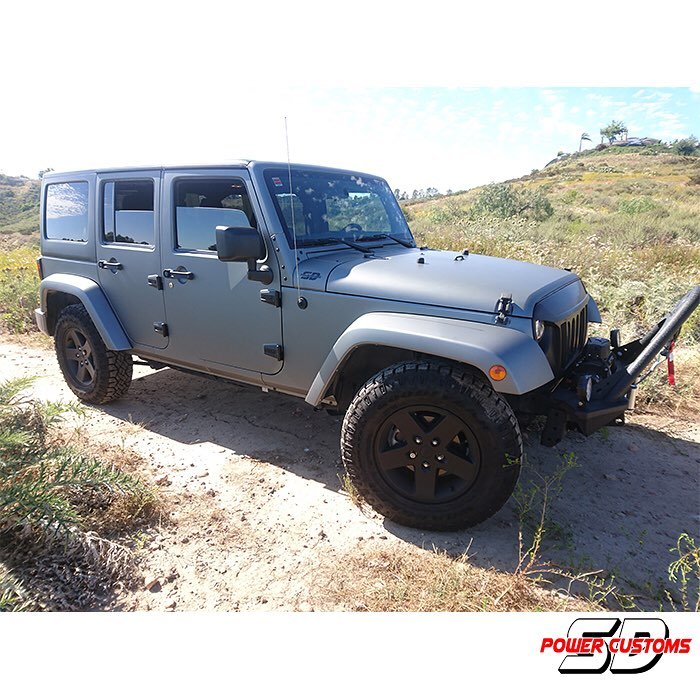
column 572, row 337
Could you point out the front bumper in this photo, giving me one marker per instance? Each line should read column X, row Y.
column 613, row 391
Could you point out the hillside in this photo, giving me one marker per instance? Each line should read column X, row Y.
column 19, row 210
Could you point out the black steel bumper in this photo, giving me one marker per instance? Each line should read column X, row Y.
column 610, row 396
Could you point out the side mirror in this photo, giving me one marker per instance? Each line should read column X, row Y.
column 243, row 244
column 239, row 244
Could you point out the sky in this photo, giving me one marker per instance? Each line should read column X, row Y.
column 151, row 84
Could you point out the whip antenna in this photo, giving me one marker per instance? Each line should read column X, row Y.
column 291, row 209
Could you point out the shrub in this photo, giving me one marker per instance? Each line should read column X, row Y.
column 686, row 147
column 42, row 483
column 639, row 205
column 504, row 201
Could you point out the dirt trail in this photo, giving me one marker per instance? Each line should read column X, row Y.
column 258, row 510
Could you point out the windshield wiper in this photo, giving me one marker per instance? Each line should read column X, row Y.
column 379, row 236
column 351, row 244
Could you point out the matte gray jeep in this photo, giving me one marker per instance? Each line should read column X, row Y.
column 307, row 281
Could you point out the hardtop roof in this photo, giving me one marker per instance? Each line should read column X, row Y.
column 242, row 163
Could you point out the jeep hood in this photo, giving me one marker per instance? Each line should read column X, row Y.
column 472, row 282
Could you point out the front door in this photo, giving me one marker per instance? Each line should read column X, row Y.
column 216, row 316
column 128, row 254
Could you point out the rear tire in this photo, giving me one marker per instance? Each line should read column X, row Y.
column 94, row 373
column 431, row 445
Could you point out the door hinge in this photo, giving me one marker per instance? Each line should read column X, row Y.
column 155, row 281
column 273, row 350
column 161, row 328
column 271, row 296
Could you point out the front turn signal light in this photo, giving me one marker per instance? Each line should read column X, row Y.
column 498, row 373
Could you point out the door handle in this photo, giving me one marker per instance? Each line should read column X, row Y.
column 111, row 265
column 180, row 274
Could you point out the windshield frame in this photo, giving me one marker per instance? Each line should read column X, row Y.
column 399, row 228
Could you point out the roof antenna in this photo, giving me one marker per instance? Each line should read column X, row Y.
column 301, row 302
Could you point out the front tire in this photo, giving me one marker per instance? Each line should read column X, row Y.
column 94, row 373
column 431, row 445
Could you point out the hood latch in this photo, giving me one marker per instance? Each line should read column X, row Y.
column 504, row 308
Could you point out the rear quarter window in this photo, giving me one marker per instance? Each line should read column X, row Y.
column 66, row 211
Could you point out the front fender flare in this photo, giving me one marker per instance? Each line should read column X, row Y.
column 94, row 300
column 478, row 344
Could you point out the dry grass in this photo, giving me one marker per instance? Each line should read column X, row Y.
column 405, row 579
column 125, row 513
column 83, row 573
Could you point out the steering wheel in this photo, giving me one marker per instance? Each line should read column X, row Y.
column 353, row 227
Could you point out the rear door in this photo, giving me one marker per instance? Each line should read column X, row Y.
column 216, row 315
column 128, row 253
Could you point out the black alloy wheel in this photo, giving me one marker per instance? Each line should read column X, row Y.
column 94, row 373
column 431, row 445
column 428, row 454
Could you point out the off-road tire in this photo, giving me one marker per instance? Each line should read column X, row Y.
column 77, row 341
column 471, row 477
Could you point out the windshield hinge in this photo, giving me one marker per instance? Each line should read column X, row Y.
column 504, row 308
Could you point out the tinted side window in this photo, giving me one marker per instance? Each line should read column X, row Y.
column 127, row 212
column 67, row 211
column 203, row 204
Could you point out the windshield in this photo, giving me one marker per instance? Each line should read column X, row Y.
column 325, row 207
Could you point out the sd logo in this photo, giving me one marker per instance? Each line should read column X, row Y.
column 593, row 645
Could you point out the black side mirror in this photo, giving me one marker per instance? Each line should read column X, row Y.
column 239, row 244
column 243, row 244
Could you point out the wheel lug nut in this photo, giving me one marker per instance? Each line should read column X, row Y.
column 435, row 442
column 440, row 458
column 412, row 455
column 418, row 440
column 426, row 465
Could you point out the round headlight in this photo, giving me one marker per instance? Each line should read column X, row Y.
column 539, row 330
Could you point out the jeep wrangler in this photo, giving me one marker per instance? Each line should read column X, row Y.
column 307, row 281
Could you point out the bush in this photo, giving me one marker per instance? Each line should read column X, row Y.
column 504, row 201
column 43, row 484
column 686, row 147
column 640, row 205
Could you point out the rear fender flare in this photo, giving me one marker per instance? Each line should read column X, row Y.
column 91, row 296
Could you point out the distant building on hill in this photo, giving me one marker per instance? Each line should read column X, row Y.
column 636, row 141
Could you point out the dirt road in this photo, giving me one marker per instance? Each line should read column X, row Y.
column 259, row 515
